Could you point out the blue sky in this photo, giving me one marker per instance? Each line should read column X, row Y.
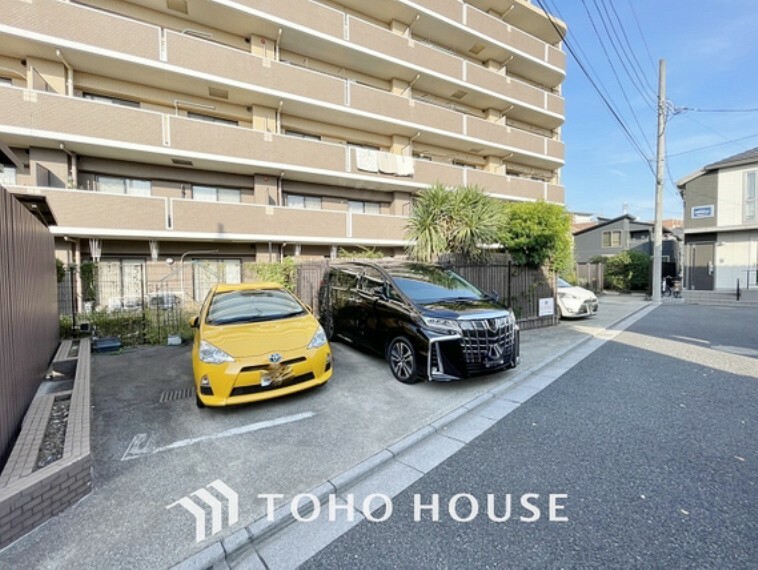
column 711, row 53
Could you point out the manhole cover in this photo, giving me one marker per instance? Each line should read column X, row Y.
column 173, row 395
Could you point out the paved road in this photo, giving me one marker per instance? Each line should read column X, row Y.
column 652, row 438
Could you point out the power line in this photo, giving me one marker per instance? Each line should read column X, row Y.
column 717, row 110
column 713, row 145
column 605, row 100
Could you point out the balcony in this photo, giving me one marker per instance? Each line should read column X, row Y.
column 385, row 42
column 202, row 137
column 220, row 219
column 373, row 226
column 80, row 24
column 63, row 117
column 307, row 14
column 204, row 56
column 507, row 186
column 85, row 209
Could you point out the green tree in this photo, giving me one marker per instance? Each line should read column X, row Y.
column 537, row 233
column 459, row 220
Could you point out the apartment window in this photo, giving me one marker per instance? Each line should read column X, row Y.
column 213, row 194
column 6, row 80
column 464, row 164
column 111, row 100
column 300, row 135
column 612, row 238
column 208, row 272
column 359, row 207
column 128, row 186
column 303, row 202
column 212, row 119
column 7, row 175
column 750, row 191
column 120, row 283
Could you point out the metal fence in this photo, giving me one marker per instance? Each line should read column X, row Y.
column 28, row 327
column 127, row 305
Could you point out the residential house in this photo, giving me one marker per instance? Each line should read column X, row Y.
column 720, row 224
column 609, row 237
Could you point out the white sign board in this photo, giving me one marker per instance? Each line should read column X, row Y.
column 702, row 212
column 547, row 307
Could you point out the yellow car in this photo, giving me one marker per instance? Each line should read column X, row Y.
column 254, row 342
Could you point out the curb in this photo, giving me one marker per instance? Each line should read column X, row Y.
column 217, row 555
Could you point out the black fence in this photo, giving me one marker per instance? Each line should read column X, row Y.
column 136, row 313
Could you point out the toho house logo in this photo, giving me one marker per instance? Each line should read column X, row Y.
column 206, row 500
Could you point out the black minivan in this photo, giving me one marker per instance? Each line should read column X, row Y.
column 427, row 321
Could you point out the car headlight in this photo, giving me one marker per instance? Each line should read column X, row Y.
column 212, row 354
column 442, row 325
column 319, row 338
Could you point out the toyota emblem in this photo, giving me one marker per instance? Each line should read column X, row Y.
column 275, row 358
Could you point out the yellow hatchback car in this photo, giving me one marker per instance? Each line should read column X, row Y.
column 254, row 342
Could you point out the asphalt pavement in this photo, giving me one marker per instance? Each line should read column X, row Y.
column 650, row 444
column 152, row 447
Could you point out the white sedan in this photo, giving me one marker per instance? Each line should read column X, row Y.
column 575, row 301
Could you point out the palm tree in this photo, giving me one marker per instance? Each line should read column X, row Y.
column 459, row 221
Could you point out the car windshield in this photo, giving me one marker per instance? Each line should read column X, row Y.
column 562, row 284
column 429, row 284
column 252, row 305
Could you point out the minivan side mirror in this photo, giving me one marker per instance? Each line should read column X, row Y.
column 194, row 322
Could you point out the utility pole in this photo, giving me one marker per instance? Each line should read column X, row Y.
column 659, row 172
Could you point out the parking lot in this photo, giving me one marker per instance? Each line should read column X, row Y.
column 152, row 445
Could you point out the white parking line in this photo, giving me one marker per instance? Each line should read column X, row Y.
column 142, row 445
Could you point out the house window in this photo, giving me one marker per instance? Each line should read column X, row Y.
column 128, row 186
column 303, row 202
column 212, row 194
column 212, row 119
column 358, row 207
column 111, row 100
column 208, row 272
column 7, row 175
column 750, row 191
column 612, row 238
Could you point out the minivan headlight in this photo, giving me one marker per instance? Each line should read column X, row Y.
column 442, row 325
column 212, row 354
column 319, row 338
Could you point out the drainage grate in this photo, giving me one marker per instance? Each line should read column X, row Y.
column 173, row 395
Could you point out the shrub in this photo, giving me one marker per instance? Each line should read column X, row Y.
column 283, row 272
column 628, row 270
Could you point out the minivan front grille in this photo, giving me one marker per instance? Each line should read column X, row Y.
column 486, row 340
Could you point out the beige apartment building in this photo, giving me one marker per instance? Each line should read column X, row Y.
column 231, row 131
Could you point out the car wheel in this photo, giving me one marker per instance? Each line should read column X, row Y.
column 198, row 401
column 328, row 324
column 403, row 360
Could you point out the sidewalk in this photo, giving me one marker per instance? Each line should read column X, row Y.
column 292, row 445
